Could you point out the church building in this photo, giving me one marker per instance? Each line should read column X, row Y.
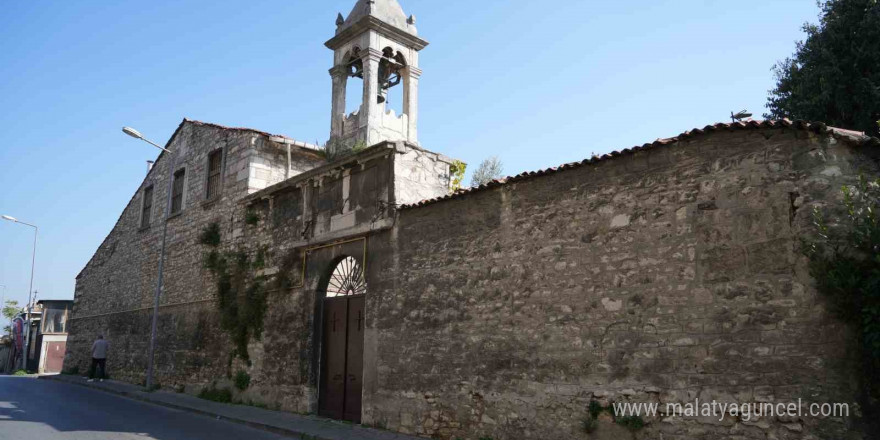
column 354, row 282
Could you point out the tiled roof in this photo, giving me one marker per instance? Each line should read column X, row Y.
column 815, row 127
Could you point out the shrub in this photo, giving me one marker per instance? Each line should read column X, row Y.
column 590, row 425
column 216, row 395
column 251, row 218
column 242, row 380
column 210, row 235
column 595, row 409
column 633, row 423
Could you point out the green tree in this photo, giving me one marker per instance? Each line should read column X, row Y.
column 834, row 75
column 489, row 170
column 844, row 258
column 10, row 309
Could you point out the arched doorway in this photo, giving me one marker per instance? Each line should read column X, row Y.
column 342, row 349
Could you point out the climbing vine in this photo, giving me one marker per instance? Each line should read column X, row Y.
column 241, row 293
column 844, row 254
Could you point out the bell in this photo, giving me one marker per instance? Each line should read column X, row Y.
column 381, row 97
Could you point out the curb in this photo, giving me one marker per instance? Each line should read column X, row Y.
column 136, row 396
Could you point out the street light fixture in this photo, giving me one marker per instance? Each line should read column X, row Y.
column 159, row 282
column 137, row 135
column 27, row 335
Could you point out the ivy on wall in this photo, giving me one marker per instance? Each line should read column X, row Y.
column 241, row 293
column 844, row 255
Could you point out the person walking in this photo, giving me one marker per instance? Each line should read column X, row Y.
column 99, row 359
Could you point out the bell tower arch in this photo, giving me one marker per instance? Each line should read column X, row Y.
column 378, row 44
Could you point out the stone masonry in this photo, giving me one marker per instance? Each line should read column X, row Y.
column 662, row 274
column 666, row 275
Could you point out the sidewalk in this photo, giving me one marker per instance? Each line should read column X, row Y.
column 305, row 427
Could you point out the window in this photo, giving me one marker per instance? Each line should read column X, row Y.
column 347, row 279
column 215, row 163
column 147, row 206
column 177, row 191
column 55, row 319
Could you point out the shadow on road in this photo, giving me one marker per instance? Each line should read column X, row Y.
column 48, row 409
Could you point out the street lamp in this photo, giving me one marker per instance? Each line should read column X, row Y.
column 137, row 135
column 27, row 335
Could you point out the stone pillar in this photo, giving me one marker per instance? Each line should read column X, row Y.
column 371, row 110
column 340, row 81
column 411, row 102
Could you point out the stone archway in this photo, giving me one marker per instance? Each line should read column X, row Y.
column 342, row 345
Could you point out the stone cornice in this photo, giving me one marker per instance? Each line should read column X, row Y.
column 373, row 23
column 371, row 54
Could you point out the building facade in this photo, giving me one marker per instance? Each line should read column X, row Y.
column 352, row 282
column 52, row 341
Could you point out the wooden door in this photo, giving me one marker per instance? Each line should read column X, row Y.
column 332, row 398
column 354, row 359
column 342, row 359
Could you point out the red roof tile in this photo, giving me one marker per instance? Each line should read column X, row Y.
column 816, row 127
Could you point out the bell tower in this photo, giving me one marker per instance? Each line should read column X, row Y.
column 379, row 44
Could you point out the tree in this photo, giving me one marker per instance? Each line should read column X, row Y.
column 10, row 309
column 834, row 76
column 844, row 255
column 489, row 170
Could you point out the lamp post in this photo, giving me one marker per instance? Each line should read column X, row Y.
column 159, row 282
column 3, row 298
column 27, row 334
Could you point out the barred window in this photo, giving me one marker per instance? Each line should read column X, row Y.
column 147, row 209
column 215, row 162
column 177, row 191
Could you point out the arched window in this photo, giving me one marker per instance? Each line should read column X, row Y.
column 347, row 279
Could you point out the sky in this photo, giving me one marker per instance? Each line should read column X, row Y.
column 537, row 84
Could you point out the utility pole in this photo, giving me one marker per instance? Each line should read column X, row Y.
column 30, row 289
column 160, row 281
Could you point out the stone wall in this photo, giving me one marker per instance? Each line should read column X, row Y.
column 662, row 276
column 301, row 226
column 114, row 292
column 665, row 275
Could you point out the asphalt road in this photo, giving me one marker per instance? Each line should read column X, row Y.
column 49, row 410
